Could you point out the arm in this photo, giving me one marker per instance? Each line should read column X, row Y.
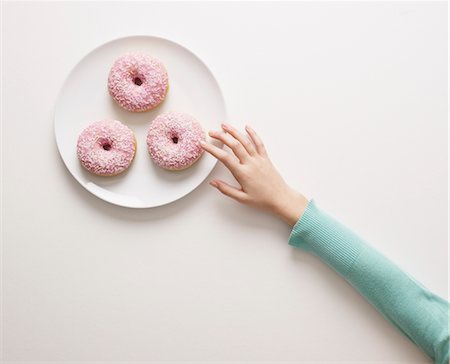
column 422, row 316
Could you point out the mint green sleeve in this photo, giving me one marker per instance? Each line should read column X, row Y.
column 419, row 314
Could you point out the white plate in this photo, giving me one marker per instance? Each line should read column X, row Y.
column 84, row 98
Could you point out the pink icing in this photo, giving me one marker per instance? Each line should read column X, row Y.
column 138, row 82
column 173, row 140
column 106, row 147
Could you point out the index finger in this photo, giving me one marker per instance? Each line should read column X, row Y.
column 228, row 160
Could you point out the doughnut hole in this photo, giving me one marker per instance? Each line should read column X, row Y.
column 105, row 144
column 138, row 81
column 174, row 137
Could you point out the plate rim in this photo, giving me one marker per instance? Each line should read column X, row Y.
column 64, row 83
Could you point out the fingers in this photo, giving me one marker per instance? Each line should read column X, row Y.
column 236, row 134
column 259, row 145
column 227, row 159
column 229, row 190
column 237, row 148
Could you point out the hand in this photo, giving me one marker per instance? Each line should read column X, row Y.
column 261, row 186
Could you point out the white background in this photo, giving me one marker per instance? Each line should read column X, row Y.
column 351, row 100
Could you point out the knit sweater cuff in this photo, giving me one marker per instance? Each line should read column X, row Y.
column 322, row 235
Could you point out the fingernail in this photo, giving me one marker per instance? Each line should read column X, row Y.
column 248, row 127
column 202, row 143
column 225, row 126
column 213, row 183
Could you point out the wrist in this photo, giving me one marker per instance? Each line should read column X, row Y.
column 291, row 206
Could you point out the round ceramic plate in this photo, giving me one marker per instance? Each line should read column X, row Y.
column 84, row 98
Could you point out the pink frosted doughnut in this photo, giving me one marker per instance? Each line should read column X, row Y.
column 173, row 140
column 106, row 147
column 138, row 82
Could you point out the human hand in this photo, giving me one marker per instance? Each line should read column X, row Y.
column 261, row 185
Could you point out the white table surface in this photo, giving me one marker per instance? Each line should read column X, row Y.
column 351, row 100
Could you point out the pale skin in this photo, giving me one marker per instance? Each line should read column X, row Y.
column 260, row 184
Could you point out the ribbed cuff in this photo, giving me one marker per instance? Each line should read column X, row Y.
column 324, row 236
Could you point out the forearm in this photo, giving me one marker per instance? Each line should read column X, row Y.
column 419, row 314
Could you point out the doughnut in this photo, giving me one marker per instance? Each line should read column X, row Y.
column 138, row 82
column 106, row 147
column 173, row 140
